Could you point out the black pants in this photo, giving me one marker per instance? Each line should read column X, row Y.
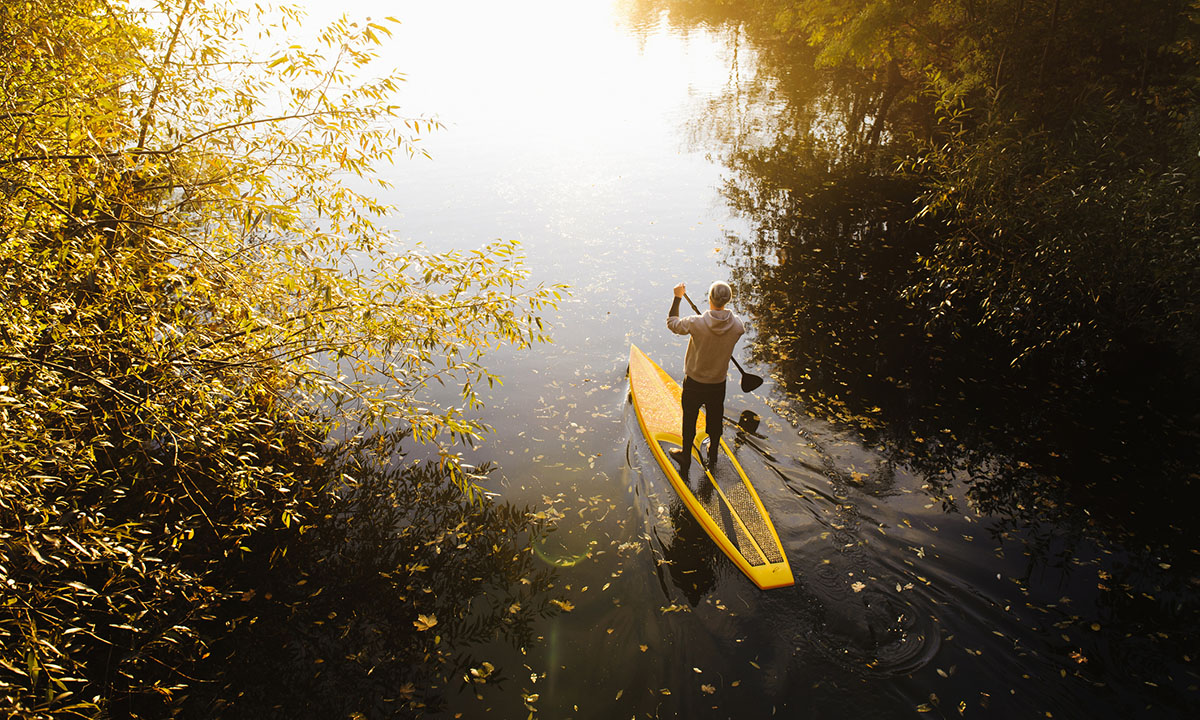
column 712, row 397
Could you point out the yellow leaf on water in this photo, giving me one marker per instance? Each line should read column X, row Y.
column 483, row 672
column 424, row 622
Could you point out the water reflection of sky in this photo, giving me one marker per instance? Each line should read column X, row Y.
column 565, row 130
column 562, row 129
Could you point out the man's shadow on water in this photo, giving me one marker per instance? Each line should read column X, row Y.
column 692, row 556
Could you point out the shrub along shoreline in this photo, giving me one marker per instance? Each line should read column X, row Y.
column 191, row 300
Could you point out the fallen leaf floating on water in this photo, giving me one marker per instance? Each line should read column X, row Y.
column 481, row 673
column 858, row 587
column 708, row 689
column 564, row 604
column 424, row 622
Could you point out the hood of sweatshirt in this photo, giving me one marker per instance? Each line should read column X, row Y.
column 719, row 322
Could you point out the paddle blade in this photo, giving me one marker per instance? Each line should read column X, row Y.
column 750, row 382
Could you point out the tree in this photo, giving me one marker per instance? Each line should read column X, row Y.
column 221, row 177
column 192, row 296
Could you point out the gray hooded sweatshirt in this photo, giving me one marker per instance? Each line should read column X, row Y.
column 710, row 346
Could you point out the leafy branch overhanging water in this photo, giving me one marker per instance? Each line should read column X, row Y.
column 193, row 295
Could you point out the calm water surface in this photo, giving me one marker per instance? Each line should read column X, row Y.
column 572, row 128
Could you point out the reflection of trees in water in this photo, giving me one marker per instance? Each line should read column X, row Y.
column 376, row 608
column 1088, row 468
column 777, row 85
column 822, row 278
column 1059, row 461
column 835, row 246
column 1066, row 467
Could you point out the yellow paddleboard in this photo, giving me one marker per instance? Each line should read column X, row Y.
column 726, row 504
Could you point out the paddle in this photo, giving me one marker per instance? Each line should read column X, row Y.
column 749, row 382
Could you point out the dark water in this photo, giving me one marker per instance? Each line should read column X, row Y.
column 956, row 544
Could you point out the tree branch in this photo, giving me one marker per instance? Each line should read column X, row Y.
column 147, row 116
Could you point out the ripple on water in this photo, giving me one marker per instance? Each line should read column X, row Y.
column 868, row 628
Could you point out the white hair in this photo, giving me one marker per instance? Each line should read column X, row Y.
column 719, row 293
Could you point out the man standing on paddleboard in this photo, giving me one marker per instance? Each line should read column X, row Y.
column 710, row 346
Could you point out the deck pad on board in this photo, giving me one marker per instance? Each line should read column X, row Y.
column 703, row 486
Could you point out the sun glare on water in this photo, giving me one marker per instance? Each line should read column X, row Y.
column 565, row 67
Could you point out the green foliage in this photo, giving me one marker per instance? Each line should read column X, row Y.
column 191, row 297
